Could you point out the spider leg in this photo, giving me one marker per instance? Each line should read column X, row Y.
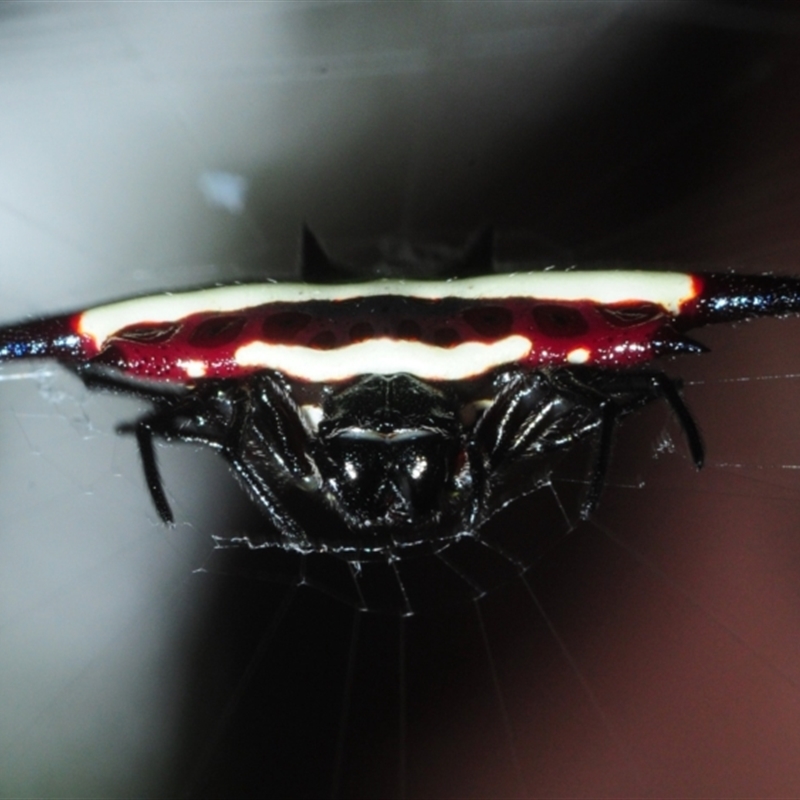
column 284, row 433
column 608, row 421
column 108, row 380
column 668, row 389
column 213, row 415
column 251, row 446
column 161, row 422
column 538, row 414
column 143, row 428
column 152, row 476
column 535, row 417
column 631, row 390
column 624, row 393
column 292, row 535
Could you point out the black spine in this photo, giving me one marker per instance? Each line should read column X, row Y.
column 729, row 298
column 316, row 266
column 46, row 338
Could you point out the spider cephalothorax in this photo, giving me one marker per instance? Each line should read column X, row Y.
column 409, row 411
column 390, row 453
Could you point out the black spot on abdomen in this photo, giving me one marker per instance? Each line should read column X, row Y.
column 630, row 314
column 559, row 321
column 361, row 331
column 446, row 337
column 409, row 329
column 154, row 333
column 217, row 331
column 490, row 321
column 285, row 325
column 324, row 340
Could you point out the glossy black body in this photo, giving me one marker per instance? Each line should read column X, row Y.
column 397, row 462
column 394, row 461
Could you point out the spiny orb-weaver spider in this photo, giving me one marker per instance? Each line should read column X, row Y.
column 411, row 410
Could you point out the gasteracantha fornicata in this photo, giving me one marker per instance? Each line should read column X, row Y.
column 412, row 411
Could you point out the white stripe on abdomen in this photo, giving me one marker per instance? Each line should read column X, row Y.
column 385, row 357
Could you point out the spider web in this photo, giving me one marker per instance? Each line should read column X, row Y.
column 528, row 662
column 651, row 650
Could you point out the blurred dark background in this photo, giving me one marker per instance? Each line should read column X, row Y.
column 652, row 651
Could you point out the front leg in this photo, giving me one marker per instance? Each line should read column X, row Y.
column 624, row 392
column 535, row 413
column 188, row 418
column 267, row 447
column 534, row 418
column 540, row 414
column 256, row 428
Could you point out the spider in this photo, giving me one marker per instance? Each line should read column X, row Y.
column 412, row 411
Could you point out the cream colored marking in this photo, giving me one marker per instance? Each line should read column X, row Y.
column 471, row 411
column 194, row 369
column 580, row 355
column 667, row 289
column 384, row 357
column 313, row 415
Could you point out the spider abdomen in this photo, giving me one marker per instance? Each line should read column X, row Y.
column 438, row 330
